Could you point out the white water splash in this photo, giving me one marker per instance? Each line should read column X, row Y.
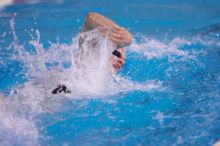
column 152, row 48
column 89, row 71
column 12, row 25
column 17, row 130
column 83, row 66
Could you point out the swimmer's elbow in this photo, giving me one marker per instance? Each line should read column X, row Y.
column 87, row 22
column 90, row 22
column 90, row 15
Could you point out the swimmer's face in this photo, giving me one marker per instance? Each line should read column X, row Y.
column 117, row 60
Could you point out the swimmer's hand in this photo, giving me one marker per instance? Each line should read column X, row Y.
column 118, row 35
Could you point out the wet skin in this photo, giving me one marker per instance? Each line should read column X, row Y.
column 117, row 63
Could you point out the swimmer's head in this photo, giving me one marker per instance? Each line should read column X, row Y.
column 117, row 59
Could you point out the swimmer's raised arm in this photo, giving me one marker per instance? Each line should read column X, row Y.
column 94, row 20
column 120, row 36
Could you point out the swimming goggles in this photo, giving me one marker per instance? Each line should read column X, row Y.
column 117, row 53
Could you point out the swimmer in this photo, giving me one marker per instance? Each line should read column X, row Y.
column 118, row 35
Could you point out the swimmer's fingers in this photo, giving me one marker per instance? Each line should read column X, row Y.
column 120, row 43
column 114, row 37
column 120, row 39
column 110, row 34
column 115, row 31
column 120, row 30
column 120, row 36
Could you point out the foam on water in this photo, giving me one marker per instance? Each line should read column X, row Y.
column 83, row 66
column 152, row 48
column 16, row 129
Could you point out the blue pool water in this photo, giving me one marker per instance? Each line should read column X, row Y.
column 167, row 93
